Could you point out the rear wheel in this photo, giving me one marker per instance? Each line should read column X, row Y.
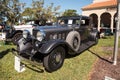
column 55, row 59
column 96, row 39
column 16, row 37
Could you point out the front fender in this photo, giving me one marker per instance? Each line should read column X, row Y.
column 50, row 45
column 23, row 45
column 10, row 35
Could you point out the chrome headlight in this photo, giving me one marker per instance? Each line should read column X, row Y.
column 40, row 35
column 26, row 33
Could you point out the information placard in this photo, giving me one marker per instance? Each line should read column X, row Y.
column 19, row 67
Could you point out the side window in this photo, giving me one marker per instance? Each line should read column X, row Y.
column 66, row 21
column 76, row 21
column 63, row 22
column 84, row 22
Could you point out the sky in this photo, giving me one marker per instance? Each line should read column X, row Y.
column 65, row 4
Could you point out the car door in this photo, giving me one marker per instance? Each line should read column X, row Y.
column 84, row 28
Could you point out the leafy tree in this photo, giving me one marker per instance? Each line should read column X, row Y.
column 28, row 12
column 2, row 10
column 37, row 6
column 39, row 12
column 51, row 12
column 10, row 9
column 1, row 17
column 70, row 12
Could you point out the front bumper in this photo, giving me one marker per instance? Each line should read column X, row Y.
column 27, row 51
column 26, row 59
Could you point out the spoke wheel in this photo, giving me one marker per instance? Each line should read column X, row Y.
column 16, row 37
column 54, row 60
column 75, row 43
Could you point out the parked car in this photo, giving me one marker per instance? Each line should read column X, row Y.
column 107, row 31
column 7, row 33
column 49, row 44
column 13, row 34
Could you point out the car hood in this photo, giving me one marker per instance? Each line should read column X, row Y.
column 45, row 27
column 50, row 28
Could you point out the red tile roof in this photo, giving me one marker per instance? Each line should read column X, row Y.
column 100, row 5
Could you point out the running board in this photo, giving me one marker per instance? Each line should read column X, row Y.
column 86, row 45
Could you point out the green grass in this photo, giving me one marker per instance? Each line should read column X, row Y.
column 75, row 68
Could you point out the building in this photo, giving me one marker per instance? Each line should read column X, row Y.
column 103, row 13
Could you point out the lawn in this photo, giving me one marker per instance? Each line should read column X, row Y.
column 75, row 68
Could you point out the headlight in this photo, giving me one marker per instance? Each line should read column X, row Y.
column 40, row 35
column 26, row 33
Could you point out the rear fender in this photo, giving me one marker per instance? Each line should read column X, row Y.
column 94, row 34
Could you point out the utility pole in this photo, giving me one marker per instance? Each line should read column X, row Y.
column 117, row 34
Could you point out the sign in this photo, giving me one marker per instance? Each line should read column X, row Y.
column 2, row 35
column 19, row 67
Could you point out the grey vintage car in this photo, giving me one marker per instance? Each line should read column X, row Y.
column 50, row 44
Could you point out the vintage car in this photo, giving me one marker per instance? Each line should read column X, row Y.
column 13, row 34
column 7, row 33
column 107, row 31
column 50, row 44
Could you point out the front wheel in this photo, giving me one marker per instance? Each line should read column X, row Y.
column 54, row 60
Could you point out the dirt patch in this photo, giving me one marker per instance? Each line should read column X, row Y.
column 104, row 67
column 108, row 48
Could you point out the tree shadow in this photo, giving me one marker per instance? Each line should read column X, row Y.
column 3, row 53
column 102, row 58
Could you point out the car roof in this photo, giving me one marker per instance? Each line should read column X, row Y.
column 73, row 17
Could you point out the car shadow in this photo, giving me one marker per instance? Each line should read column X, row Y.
column 3, row 53
column 34, row 68
column 83, row 47
column 68, row 56
column 100, row 57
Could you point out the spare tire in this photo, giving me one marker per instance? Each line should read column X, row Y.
column 73, row 39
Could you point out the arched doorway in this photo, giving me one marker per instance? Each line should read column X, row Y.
column 114, row 26
column 105, row 20
column 94, row 20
